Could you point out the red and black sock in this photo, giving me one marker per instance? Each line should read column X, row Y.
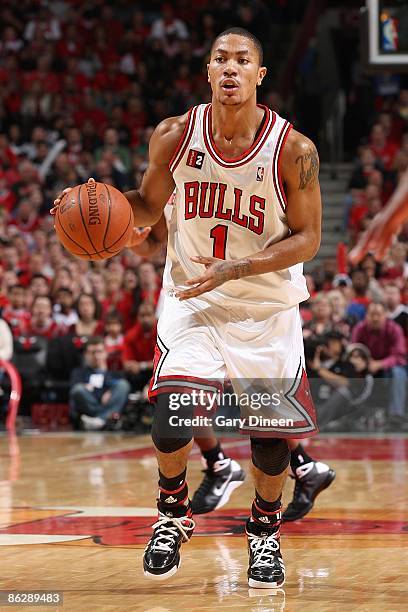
column 173, row 495
column 267, row 513
column 298, row 457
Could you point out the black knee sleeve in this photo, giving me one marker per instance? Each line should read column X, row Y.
column 167, row 434
column 270, row 455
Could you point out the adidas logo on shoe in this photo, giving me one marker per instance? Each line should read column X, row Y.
column 170, row 500
column 264, row 519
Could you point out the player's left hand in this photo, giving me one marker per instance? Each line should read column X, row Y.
column 217, row 272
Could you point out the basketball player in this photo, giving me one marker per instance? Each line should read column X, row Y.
column 247, row 214
column 385, row 226
column 223, row 475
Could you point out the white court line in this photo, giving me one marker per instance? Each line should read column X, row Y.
column 13, row 539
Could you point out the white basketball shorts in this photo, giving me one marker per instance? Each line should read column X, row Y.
column 200, row 345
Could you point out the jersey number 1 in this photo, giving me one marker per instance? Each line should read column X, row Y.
column 219, row 235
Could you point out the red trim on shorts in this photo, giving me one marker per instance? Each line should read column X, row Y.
column 185, row 138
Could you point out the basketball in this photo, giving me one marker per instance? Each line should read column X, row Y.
column 94, row 221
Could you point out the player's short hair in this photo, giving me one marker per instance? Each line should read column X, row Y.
column 245, row 34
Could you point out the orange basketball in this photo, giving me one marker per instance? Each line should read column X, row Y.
column 94, row 221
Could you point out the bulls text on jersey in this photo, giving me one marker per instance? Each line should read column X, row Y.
column 207, row 200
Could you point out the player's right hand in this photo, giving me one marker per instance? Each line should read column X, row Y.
column 58, row 199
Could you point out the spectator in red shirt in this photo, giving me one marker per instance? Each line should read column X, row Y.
column 382, row 149
column 149, row 283
column 39, row 285
column 107, row 20
column 113, row 288
column 71, row 45
column 41, row 322
column 7, row 158
column 386, row 342
column 393, row 126
column 10, row 258
column 167, row 26
column 114, row 341
column 26, row 218
column 89, row 111
column 139, row 345
column 110, row 79
column 7, row 196
column 129, row 304
column 16, row 313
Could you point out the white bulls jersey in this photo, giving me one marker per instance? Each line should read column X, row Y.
column 229, row 209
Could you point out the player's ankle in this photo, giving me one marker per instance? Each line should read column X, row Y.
column 266, row 513
column 173, row 497
column 213, row 456
column 298, row 457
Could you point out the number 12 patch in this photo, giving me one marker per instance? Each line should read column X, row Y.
column 195, row 159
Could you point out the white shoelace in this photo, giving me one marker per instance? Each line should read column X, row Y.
column 165, row 540
column 264, row 550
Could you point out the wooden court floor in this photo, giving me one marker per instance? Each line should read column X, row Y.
column 75, row 511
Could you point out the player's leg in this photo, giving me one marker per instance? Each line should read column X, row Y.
column 270, row 461
column 222, row 475
column 174, row 525
column 265, row 356
column 311, row 478
column 185, row 354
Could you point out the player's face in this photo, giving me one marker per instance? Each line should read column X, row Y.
column 234, row 72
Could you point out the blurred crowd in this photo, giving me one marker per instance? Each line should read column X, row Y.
column 77, row 99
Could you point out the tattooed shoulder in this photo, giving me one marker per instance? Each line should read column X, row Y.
column 308, row 164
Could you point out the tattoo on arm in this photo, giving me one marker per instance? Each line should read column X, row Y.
column 232, row 270
column 309, row 168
